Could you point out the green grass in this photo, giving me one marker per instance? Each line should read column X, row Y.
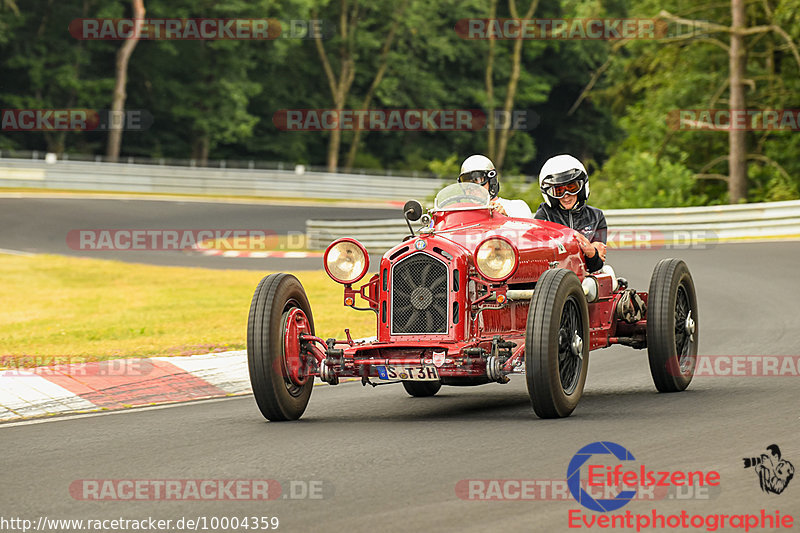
column 65, row 307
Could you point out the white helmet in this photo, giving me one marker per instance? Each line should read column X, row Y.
column 561, row 170
column 480, row 169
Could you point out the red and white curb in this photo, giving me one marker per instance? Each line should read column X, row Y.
column 120, row 383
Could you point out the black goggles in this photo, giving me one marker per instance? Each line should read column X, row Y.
column 481, row 177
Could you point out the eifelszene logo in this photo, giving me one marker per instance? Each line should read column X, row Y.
column 574, row 477
column 774, row 473
column 622, row 482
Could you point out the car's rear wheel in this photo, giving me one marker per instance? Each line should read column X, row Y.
column 672, row 326
column 422, row 389
column 279, row 312
column 557, row 344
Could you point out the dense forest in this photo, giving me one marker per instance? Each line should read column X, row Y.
column 615, row 102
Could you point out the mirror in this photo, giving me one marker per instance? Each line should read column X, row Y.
column 412, row 210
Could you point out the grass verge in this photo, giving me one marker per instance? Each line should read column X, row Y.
column 63, row 307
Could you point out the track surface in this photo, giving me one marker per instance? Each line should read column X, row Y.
column 40, row 225
column 394, row 461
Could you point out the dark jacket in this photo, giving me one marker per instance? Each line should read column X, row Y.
column 586, row 219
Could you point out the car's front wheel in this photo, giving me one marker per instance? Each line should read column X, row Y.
column 557, row 344
column 279, row 313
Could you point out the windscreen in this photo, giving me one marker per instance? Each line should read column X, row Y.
column 461, row 196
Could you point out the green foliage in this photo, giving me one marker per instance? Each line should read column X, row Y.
column 448, row 169
column 367, row 160
column 217, row 98
column 641, row 179
column 648, row 80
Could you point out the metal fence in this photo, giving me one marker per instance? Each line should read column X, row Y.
column 153, row 178
column 714, row 223
column 627, row 227
column 249, row 164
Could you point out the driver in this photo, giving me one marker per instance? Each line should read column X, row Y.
column 565, row 187
column 480, row 169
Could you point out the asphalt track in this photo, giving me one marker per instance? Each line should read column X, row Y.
column 391, row 463
column 41, row 225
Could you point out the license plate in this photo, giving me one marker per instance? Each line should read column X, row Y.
column 408, row 373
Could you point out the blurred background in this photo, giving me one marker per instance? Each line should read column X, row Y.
column 606, row 101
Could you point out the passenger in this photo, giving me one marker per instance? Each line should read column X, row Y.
column 480, row 169
column 565, row 188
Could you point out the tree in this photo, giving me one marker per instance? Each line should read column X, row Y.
column 43, row 67
column 737, row 138
column 712, row 61
column 349, row 47
column 118, row 100
column 198, row 91
column 383, row 63
column 497, row 147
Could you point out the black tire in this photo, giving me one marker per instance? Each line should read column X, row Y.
column 671, row 345
column 278, row 398
column 555, row 373
column 422, row 389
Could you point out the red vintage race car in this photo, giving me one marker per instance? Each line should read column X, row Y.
column 472, row 298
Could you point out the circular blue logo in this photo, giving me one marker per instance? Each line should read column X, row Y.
column 420, row 244
column 574, row 476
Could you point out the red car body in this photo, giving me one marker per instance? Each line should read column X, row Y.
column 541, row 246
column 441, row 319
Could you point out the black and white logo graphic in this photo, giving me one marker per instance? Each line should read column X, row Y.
column 774, row 473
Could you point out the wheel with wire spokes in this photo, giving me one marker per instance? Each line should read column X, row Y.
column 279, row 373
column 557, row 344
column 673, row 327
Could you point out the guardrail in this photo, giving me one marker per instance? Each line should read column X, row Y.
column 98, row 176
column 628, row 228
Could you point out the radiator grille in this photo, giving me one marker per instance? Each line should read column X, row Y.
column 419, row 295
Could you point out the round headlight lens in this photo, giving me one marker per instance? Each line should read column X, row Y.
column 496, row 259
column 346, row 262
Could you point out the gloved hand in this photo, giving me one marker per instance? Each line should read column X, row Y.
column 498, row 207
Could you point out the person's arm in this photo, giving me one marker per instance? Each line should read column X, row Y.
column 497, row 206
column 595, row 262
column 592, row 256
column 600, row 237
column 601, row 232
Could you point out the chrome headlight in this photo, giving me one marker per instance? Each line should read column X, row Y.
column 346, row 261
column 590, row 288
column 496, row 259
